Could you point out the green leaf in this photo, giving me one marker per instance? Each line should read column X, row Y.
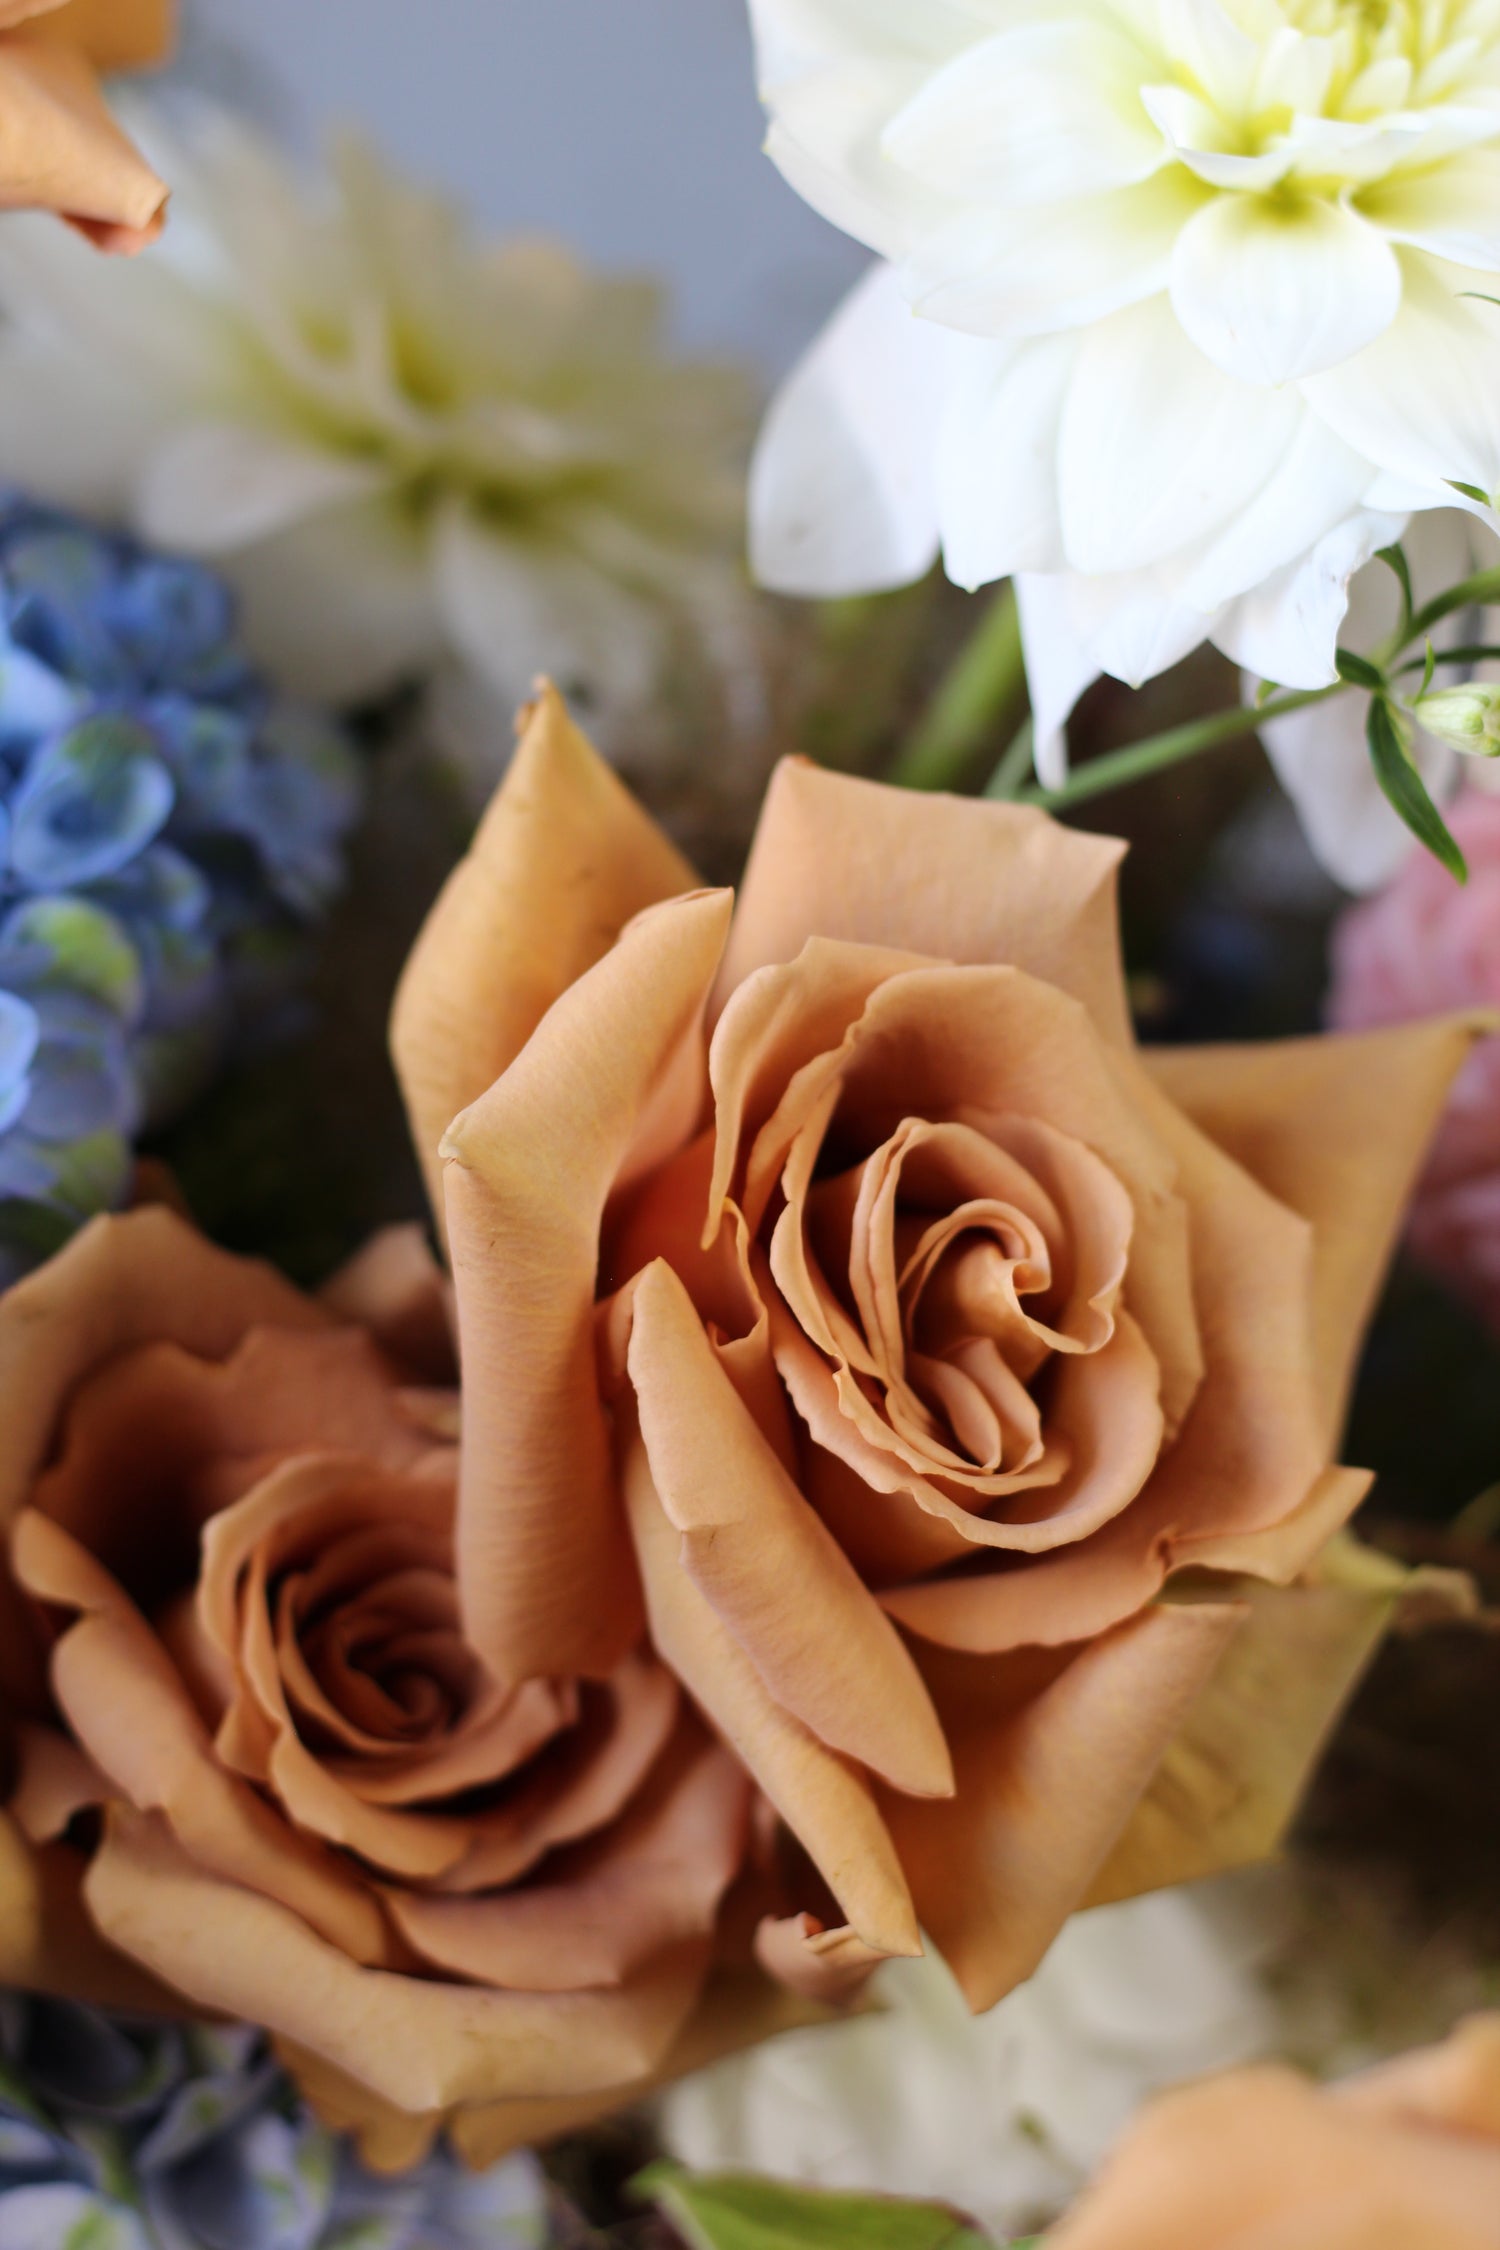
column 1406, row 790
column 1469, row 491
column 735, row 2211
column 1359, row 671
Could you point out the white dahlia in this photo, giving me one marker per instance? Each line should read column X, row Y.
column 405, row 447
column 1183, row 311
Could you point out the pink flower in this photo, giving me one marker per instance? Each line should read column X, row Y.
column 1426, row 945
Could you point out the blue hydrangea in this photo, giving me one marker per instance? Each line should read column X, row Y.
column 170, row 832
column 129, row 2136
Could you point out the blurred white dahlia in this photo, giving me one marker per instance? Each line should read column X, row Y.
column 1182, row 311
column 404, row 447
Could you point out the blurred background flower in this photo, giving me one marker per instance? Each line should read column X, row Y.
column 1423, row 946
column 170, row 831
column 403, row 446
column 123, row 2135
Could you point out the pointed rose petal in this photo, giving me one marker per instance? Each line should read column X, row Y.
column 114, row 34
column 1231, row 1781
column 1052, row 1753
column 981, row 884
column 824, row 1800
column 65, row 153
column 760, row 1557
column 1337, row 1129
column 543, row 1560
column 563, row 859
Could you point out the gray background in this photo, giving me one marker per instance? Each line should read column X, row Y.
column 630, row 127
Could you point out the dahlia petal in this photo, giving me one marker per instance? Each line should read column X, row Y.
column 1423, row 400
column 218, row 486
column 1158, row 446
column 1030, row 116
column 842, row 486
column 997, row 461
column 1449, row 211
column 1275, row 290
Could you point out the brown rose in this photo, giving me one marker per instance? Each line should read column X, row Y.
column 61, row 150
column 320, row 1811
column 1404, row 2158
column 863, row 1310
column 855, row 1335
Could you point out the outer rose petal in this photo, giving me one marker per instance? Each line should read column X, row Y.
column 1052, row 1752
column 822, row 1797
column 64, row 151
column 974, row 883
column 1337, row 1128
column 420, row 2045
column 543, row 1562
column 1236, row 1769
column 760, row 1556
column 120, row 1283
column 562, row 860
column 48, row 1943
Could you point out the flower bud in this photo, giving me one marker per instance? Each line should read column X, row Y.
column 1467, row 717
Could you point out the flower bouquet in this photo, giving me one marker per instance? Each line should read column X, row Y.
column 722, row 1605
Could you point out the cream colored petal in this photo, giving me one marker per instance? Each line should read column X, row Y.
column 63, row 151
column 544, row 1564
column 1337, row 1129
column 1231, row 1781
column 1052, row 1752
column 597, row 1916
column 950, row 877
column 147, row 1278
column 419, row 2045
column 765, row 1564
column 823, row 1798
column 563, row 859
column 135, row 1720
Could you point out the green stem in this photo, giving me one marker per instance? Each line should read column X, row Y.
column 982, row 696
column 1169, row 749
column 1009, row 777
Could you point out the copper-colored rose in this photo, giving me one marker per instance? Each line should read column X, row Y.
column 1405, row 2158
column 855, row 1335
column 61, row 150
column 234, row 1636
column 864, row 1311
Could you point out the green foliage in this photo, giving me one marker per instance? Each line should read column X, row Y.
column 1405, row 789
column 731, row 2211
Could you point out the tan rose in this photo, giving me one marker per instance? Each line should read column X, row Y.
column 855, row 1335
column 863, row 1310
column 233, row 1632
column 1405, row 2158
column 60, row 149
